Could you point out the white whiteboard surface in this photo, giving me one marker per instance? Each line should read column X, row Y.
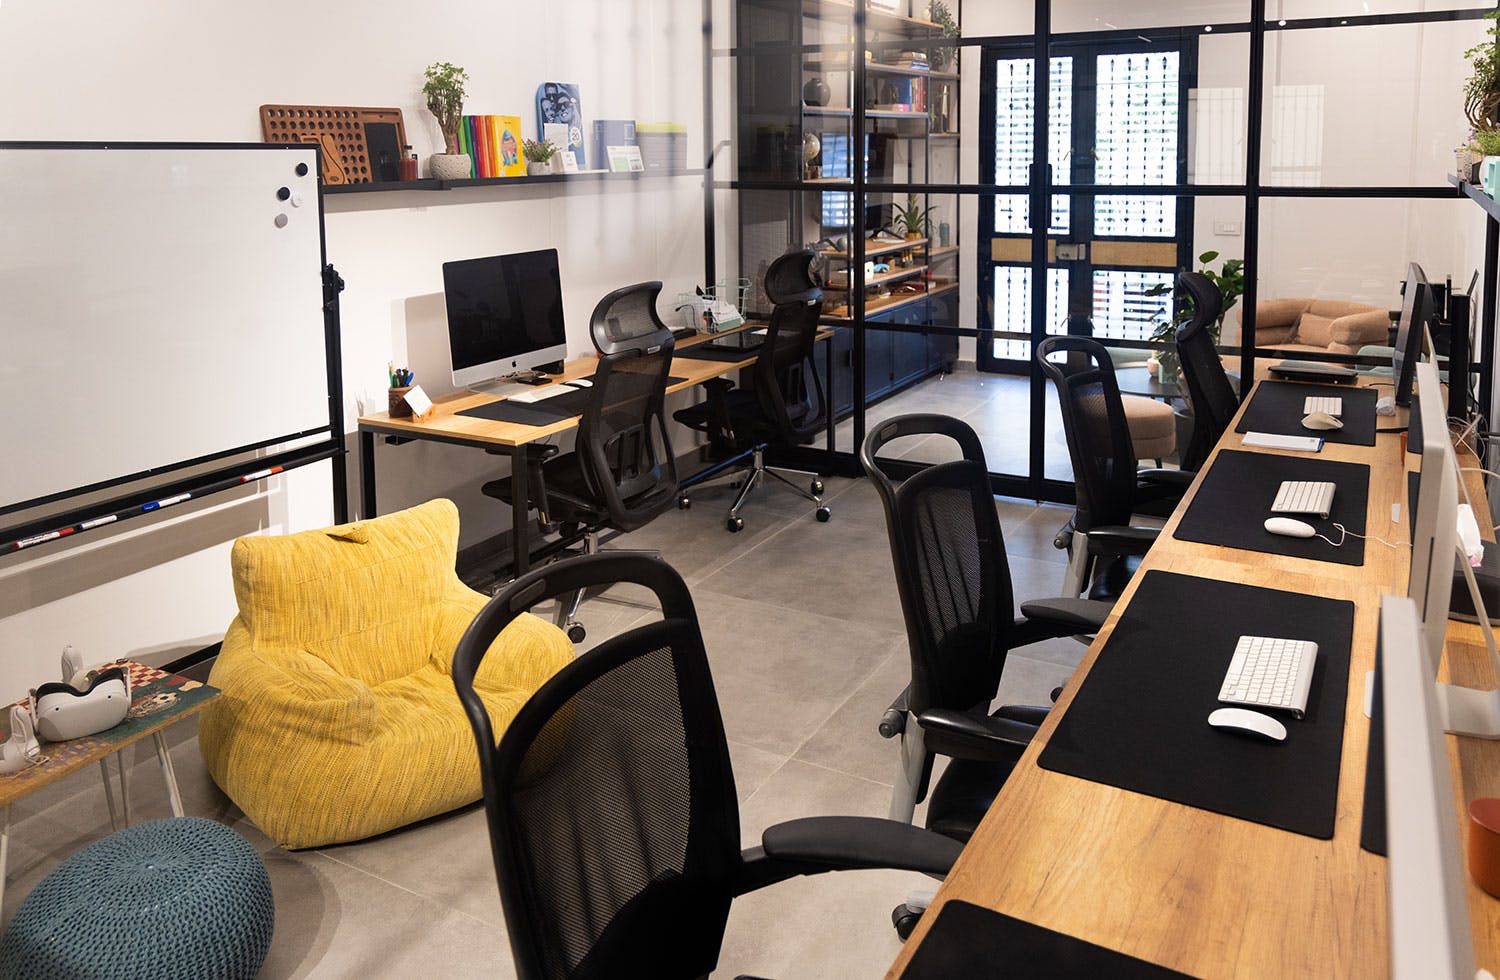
column 151, row 311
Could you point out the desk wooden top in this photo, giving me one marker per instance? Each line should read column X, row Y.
column 1206, row 894
column 443, row 422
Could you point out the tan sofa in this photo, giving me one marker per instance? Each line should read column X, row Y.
column 1323, row 325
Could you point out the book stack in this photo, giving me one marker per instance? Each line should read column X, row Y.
column 493, row 144
column 902, row 95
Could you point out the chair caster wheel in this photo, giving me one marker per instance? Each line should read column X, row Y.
column 735, row 524
column 816, row 488
column 823, row 514
column 576, row 632
column 904, row 918
column 684, row 502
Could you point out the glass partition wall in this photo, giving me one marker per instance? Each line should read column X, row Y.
column 1299, row 147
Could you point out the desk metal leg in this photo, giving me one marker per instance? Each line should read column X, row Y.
column 124, row 786
column 366, row 475
column 520, row 483
column 169, row 773
column 109, row 794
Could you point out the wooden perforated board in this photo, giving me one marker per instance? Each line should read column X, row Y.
column 340, row 129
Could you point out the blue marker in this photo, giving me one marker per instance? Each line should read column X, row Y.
column 165, row 502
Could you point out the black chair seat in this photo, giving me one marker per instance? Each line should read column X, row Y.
column 964, row 795
column 747, row 418
column 1111, row 575
column 568, row 497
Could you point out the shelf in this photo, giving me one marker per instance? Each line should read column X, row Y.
column 1476, row 194
column 830, row 181
column 894, row 302
column 876, row 281
column 947, row 251
column 876, row 68
column 823, row 110
column 430, row 184
column 885, row 249
column 943, row 136
column 896, row 114
column 877, row 19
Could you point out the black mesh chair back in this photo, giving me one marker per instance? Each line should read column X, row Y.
column 1212, row 396
column 611, row 802
column 623, row 448
column 1104, row 461
column 626, row 319
column 787, row 385
column 951, row 569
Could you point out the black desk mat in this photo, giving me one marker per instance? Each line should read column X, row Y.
column 1140, row 719
column 1276, row 407
column 1232, row 504
column 703, row 352
column 974, row 943
column 554, row 409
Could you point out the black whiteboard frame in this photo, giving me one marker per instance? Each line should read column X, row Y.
column 22, row 537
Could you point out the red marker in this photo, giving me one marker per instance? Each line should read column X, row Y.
column 260, row 474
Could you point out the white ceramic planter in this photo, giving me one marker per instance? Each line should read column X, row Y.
column 534, row 169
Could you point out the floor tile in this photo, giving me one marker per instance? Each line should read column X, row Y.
column 848, row 741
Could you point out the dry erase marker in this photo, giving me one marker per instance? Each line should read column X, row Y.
column 40, row 538
column 260, row 474
column 98, row 522
column 166, row 502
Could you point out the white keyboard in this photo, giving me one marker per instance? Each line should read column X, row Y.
column 551, row 391
column 1270, row 673
column 1330, row 406
column 1304, row 497
column 1297, row 444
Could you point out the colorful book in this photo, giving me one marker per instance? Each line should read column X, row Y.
column 512, row 161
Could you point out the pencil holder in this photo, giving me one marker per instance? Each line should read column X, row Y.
column 399, row 409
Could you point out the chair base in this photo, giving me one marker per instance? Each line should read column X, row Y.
column 756, row 474
column 566, row 618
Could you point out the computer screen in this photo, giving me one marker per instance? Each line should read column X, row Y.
column 1416, row 309
column 505, row 314
column 1435, row 533
column 1428, row 890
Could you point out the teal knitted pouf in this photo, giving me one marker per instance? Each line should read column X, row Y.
column 183, row 897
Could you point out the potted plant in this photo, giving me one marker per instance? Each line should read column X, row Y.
column 539, row 155
column 444, row 90
column 914, row 218
column 1231, row 282
column 1482, row 95
column 939, row 14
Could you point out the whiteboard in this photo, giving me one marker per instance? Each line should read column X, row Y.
column 152, row 312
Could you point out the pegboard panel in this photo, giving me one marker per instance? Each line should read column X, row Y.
column 339, row 129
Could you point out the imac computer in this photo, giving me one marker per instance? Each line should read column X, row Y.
column 505, row 318
column 1428, row 890
column 1435, row 550
column 1416, row 309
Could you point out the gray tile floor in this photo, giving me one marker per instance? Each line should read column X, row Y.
column 803, row 629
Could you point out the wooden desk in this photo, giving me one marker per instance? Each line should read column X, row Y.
column 1210, row 895
column 443, row 424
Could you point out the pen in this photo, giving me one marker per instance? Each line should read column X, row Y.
column 260, row 474
column 98, row 522
column 390, row 372
column 166, row 502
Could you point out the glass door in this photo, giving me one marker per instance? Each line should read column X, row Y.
column 1115, row 119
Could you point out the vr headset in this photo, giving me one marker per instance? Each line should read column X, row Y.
column 86, row 702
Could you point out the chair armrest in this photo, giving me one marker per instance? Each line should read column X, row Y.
column 1117, row 541
column 1030, row 714
column 1066, row 617
column 893, row 722
column 972, row 736
column 859, row 843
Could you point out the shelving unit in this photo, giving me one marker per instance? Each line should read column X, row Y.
column 902, row 119
column 433, row 184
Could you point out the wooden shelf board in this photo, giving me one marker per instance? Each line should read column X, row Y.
column 887, row 277
column 942, row 253
column 430, row 184
column 823, row 110
column 830, row 181
column 886, row 249
column 895, row 302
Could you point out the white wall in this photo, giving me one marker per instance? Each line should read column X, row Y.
column 182, row 70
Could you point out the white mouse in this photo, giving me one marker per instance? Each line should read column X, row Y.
column 1386, row 406
column 1286, row 527
column 581, row 383
column 1321, row 420
column 1245, row 722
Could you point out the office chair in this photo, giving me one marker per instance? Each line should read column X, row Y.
column 954, row 582
column 1103, row 548
column 785, row 405
column 622, row 473
column 1212, row 397
column 611, row 802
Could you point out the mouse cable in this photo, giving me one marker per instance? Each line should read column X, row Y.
column 1345, row 534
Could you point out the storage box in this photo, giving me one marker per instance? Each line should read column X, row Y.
column 663, row 146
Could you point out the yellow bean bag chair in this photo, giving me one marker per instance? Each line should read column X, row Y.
column 339, row 719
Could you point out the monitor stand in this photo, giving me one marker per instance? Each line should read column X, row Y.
column 1465, row 711
column 511, row 384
